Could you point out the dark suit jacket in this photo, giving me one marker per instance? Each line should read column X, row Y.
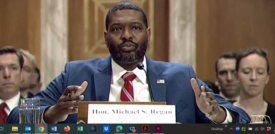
column 270, row 112
column 97, row 72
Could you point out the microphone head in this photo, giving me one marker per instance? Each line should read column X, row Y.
column 140, row 66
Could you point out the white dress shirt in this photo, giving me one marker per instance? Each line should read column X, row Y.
column 221, row 94
column 140, row 85
column 11, row 103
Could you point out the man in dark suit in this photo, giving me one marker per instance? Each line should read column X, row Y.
column 117, row 78
column 36, row 83
column 11, row 63
column 226, row 76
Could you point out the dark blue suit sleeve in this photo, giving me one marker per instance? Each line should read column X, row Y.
column 48, row 97
column 241, row 116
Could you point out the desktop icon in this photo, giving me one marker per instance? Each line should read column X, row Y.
column 145, row 128
column 268, row 128
column 79, row 128
column 250, row 128
column 67, row 129
column 132, row 129
column 54, row 128
column 119, row 128
column 158, row 128
column 41, row 129
column 243, row 128
column 93, row 129
column 106, row 128
column 237, row 128
column 27, row 129
column 14, row 129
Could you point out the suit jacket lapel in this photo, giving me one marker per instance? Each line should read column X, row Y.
column 102, row 80
column 156, row 81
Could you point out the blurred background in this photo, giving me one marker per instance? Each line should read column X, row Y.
column 195, row 32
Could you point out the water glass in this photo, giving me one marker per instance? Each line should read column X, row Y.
column 29, row 111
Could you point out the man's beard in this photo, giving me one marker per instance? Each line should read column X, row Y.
column 118, row 56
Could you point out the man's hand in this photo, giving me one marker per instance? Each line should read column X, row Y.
column 207, row 103
column 67, row 104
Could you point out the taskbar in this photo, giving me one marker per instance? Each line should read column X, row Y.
column 135, row 128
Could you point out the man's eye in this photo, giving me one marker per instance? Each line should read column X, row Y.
column 117, row 29
column 223, row 73
column 136, row 28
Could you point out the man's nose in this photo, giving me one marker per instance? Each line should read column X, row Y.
column 6, row 73
column 229, row 76
column 127, row 35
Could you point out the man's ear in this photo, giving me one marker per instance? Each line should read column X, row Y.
column 39, row 86
column 148, row 30
column 105, row 37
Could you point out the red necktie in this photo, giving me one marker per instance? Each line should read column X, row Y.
column 127, row 92
column 3, row 114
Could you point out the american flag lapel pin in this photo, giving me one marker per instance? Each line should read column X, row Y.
column 160, row 81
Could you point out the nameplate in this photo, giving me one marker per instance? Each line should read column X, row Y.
column 120, row 113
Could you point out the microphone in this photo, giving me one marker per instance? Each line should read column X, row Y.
column 141, row 67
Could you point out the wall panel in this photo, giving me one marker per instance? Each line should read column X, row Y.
column 233, row 25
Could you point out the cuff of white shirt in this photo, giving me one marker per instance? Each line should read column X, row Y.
column 42, row 117
column 228, row 118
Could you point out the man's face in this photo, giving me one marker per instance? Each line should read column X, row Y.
column 227, row 77
column 28, row 73
column 127, row 37
column 10, row 76
column 36, row 85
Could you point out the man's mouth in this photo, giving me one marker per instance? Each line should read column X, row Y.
column 126, row 47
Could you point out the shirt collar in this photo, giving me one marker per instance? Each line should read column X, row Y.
column 237, row 98
column 118, row 71
column 12, row 102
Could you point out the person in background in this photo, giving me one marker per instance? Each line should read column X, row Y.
column 226, row 76
column 28, row 73
column 11, row 63
column 36, row 84
column 253, row 74
column 118, row 77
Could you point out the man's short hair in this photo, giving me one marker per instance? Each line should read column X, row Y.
column 122, row 6
column 249, row 51
column 12, row 50
column 28, row 55
column 37, row 72
column 227, row 55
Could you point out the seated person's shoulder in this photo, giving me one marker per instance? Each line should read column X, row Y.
column 271, row 106
column 84, row 64
column 176, row 69
column 174, row 66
